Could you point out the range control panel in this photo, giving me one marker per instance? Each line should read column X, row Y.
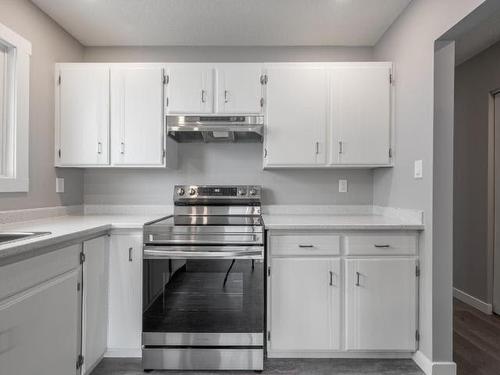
column 219, row 192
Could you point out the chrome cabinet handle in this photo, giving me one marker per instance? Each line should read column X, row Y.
column 122, row 148
column 317, row 148
column 99, row 147
column 130, row 249
column 382, row 246
column 331, row 278
column 203, row 96
column 357, row 278
column 305, row 246
column 226, row 96
column 341, row 147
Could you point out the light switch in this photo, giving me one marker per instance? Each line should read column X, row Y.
column 342, row 186
column 59, row 185
column 417, row 170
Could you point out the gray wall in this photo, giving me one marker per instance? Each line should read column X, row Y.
column 50, row 43
column 474, row 80
column 226, row 163
column 409, row 43
column 226, row 54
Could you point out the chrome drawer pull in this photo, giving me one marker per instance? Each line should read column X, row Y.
column 130, row 254
column 331, row 278
column 382, row 246
column 305, row 246
column 357, row 278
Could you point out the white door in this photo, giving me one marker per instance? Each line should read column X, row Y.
column 380, row 311
column 137, row 135
column 83, row 116
column 125, row 290
column 95, row 301
column 190, row 89
column 304, row 304
column 38, row 329
column 296, row 109
column 360, row 114
column 239, row 89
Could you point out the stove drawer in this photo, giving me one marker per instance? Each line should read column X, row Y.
column 305, row 244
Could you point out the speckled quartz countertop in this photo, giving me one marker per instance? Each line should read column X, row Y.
column 67, row 229
column 337, row 222
column 64, row 229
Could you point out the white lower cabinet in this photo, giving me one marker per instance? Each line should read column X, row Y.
column 330, row 303
column 305, row 304
column 125, row 295
column 95, row 301
column 40, row 316
column 380, row 304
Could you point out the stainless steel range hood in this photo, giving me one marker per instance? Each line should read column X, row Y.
column 215, row 128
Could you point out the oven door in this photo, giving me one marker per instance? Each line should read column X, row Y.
column 203, row 296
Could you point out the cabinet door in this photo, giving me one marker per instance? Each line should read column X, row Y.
column 137, row 136
column 83, row 112
column 38, row 329
column 360, row 118
column 95, row 301
column 125, row 302
column 304, row 304
column 239, row 89
column 295, row 116
column 380, row 311
column 190, row 89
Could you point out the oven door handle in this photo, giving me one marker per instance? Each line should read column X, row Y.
column 192, row 252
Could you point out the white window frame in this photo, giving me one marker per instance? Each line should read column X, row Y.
column 14, row 171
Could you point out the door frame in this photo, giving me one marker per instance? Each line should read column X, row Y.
column 493, row 235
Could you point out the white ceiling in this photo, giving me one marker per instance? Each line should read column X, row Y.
column 224, row 22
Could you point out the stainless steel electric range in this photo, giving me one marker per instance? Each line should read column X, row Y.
column 203, row 282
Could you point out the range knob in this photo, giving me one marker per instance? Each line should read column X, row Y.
column 192, row 191
column 180, row 191
column 242, row 192
column 253, row 191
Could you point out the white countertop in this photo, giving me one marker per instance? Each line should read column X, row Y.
column 338, row 222
column 64, row 229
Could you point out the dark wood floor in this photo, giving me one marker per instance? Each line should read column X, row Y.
column 476, row 341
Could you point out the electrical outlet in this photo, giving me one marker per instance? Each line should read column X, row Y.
column 418, row 169
column 59, row 185
column 342, row 186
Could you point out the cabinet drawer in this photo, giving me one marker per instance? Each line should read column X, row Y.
column 305, row 244
column 381, row 243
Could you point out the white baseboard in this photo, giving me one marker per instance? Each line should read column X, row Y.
column 434, row 368
column 337, row 354
column 484, row 307
column 123, row 353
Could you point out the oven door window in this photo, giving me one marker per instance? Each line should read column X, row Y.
column 203, row 295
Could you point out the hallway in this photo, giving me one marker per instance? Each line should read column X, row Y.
column 476, row 341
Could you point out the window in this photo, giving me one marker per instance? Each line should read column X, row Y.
column 15, row 52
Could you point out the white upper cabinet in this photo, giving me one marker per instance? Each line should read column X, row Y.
column 137, row 121
column 360, row 114
column 190, row 89
column 296, row 115
column 239, row 88
column 381, row 297
column 82, row 116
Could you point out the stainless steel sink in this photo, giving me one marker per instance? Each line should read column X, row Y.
column 17, row 236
